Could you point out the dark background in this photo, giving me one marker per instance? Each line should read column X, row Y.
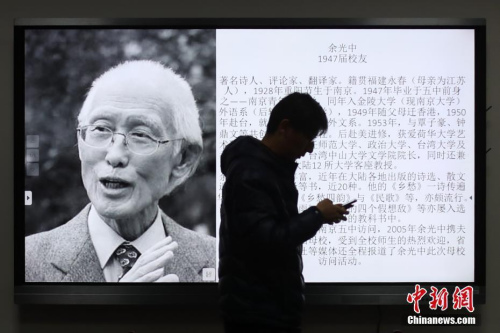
column 60, row 66
column 317, row 319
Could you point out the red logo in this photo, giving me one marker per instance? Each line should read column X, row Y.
column 416, row 297
column 439, row 299
column 462, row 298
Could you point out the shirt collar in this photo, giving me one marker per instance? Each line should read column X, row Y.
column 106, row 240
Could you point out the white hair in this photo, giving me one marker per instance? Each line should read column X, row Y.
column 172, row 93
column 171, row 90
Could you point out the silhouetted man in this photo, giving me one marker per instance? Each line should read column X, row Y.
column 261, row 233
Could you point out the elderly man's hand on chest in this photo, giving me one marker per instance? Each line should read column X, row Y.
column 150, row 265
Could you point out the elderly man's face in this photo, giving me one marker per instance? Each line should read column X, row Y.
column 120, row 183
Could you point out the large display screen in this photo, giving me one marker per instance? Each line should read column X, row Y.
column 400, row 141
column 405, row 106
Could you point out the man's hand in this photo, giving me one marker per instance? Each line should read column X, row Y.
column 332, row 213
column 150, row 265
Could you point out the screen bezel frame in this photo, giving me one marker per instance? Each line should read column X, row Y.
column 206, row 293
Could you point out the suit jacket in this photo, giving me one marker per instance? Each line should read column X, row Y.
column 66, row 253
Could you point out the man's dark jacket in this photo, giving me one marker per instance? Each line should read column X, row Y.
column 261, row 236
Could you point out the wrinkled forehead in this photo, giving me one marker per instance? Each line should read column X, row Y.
column 132, row 98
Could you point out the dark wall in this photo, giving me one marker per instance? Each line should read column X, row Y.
column 124, row 319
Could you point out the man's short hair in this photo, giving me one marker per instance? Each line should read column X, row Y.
column 304, row 113
column 173, row 92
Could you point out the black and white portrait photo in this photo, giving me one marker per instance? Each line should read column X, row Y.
column 120, row 155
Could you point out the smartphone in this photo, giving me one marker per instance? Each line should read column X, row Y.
column 349, row 204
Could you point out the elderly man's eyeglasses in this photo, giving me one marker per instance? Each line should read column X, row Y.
column 137, row 142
